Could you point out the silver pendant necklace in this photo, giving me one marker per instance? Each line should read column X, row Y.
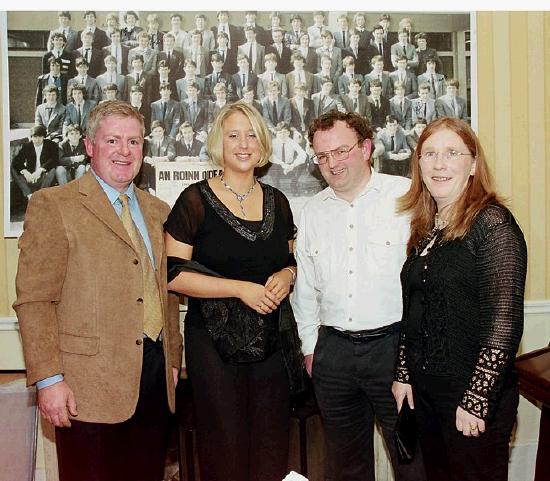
column 240, row 197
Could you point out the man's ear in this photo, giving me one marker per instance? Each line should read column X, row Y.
column 366, row 148
column 89, row 146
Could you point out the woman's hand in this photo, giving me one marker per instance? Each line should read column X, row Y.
column 279, row 283
column 401, row 391
column 258, row 297
column 468, row 423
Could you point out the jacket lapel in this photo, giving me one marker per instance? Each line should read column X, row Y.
column 94, row 199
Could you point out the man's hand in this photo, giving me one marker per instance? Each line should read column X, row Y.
column 37, row 174
column 279, row 283
column 469, row 424
column 75, row 159
column 56, row 402
column 257, row 297
column 28, row 176
column 308, row 361
column 401, row 391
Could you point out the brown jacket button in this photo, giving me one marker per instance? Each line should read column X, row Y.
column 139, row 342
column 135, row 261
column 140, row 300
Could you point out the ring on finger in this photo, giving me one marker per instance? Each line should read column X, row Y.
column 473, row 426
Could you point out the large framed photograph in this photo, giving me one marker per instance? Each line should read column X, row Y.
column 400, row 70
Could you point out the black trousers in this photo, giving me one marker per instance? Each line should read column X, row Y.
column 242, row 413
column 448, row 454
column 134, row 450
column 353, row 386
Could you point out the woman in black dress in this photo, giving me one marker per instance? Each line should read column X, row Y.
column 230, row 241
column 463, row 284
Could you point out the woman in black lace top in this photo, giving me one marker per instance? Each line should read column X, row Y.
column 230, row 240
column 463, row 285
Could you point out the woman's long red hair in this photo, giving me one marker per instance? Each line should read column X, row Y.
column 478, row 193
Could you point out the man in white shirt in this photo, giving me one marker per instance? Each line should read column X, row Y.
column 270, row 74
column 347, row 300
column 180, row 35
column 64, row 18
column 424, row 106
column 34, row 166
column 315, row 30
column 253, row 50
column 288, row 160
column 403, row 47
column 404, row 76
column 111, row 76
column 435, row 80
column 450, row 104
column 118, row 51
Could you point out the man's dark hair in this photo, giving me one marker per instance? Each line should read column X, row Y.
column 353, row 120
column 39, row 131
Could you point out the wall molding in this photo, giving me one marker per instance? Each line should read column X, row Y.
column 537, row 307
column 9, row 324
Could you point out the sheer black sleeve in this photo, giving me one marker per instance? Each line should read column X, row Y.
column 501, row 270
column 186, row 216
column 402, row 373
column 284, row 208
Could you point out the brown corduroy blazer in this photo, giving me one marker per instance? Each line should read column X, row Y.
column 79, row 284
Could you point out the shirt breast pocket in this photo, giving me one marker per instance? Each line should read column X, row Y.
column 386, row 250
column 319, row 257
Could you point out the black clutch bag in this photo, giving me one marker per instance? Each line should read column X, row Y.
column 405, row 434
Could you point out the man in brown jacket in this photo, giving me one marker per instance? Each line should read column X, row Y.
column 100, row 332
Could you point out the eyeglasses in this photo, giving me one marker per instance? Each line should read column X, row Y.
column 448, row 155
column 340, row 154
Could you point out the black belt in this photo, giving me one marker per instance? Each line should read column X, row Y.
column 366, row 335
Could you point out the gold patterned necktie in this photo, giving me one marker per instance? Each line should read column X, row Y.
column 152, row 315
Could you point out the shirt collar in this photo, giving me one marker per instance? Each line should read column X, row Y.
column 111, row 192
column 372, row 184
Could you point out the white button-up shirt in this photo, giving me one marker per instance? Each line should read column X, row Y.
column 349, row 257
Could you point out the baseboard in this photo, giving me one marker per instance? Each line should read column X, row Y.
column 522, row 462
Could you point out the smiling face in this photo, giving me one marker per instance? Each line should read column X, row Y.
column 277, row 36
column 55, row 69
column 63, row 21
column 116, row 151
column 199, row 23
column 348, row 177
column 143, row 42
column 176, row 23
column 89, row 19
column 131, row 21
column 446, row 179
column 241, row 149
column 58, row 43
column 78, row 96
column 157, row 133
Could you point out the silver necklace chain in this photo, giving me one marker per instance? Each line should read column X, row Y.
column 240, row 197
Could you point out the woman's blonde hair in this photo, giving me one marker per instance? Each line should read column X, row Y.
column 214, row 142
column 478, row 193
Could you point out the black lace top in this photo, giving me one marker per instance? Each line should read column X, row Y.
column 233, row 247
column 471, row 317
